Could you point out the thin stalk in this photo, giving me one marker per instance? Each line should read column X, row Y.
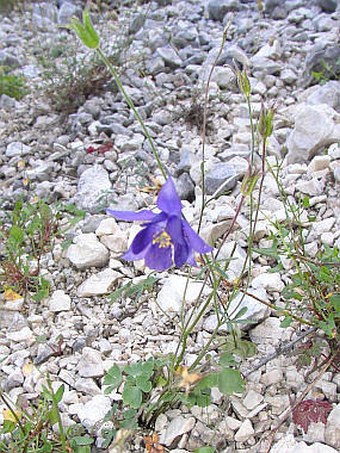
column 57, row 411
column 130, row 103
column 204, row 125
column 13, row 413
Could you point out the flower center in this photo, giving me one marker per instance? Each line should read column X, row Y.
column 162, row 239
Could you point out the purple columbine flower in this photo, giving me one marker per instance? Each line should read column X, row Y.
column 166, row 237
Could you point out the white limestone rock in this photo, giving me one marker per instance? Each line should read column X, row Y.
column 306, row 140
column 59, row 301
column 87, row 252
column 98, row 284
column 268, row 281
column 91, row 364
column 93, row 411
column 170, row 297
column 332, row 433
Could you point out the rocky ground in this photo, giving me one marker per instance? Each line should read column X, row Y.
column 97, row 156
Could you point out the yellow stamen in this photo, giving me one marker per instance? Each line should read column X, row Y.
column 162, row 239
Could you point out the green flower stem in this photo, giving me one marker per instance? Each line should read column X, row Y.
column 13, row 413
column 276, row 309
column 204, row 126
column 130, row 103
column 57, row 411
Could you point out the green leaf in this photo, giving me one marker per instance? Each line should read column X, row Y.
column 53, row 415
column 59, row 393
column 230, row 381
column 335, row 301
column 85, row 31
column 16, row 235
column 226, row 360
column 140, row 369
column 113, row 377
column 207, row 382
column 205, row 450
column 144, row 384
column 286, row 322
column 132, row 396
column 8, row 426
column 82, row 440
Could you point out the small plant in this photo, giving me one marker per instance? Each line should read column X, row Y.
column 151, row 386
column 29, row 429
column 12, row 85
column 25, row 237
column 309, row 411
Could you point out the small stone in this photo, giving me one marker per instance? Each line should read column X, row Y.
column 90, row 364
column 268, row 281
column 332, row 433
column 319, row 163
column 245, row 432
column 93, row 184
column 271, row 377
column 177, row 427
column 312, row 187
column 23, row 335
column 59, row 301
column 288, row 444
column 233, row 423
column 315, row 433
column 329, row 6
column 17, row 149
column 98, row 284
column 252, row 399
column 288, row 76
column 170, row 297
column 87, row 252
column 217, row 9
column 14, row 379
column 94, row 411
column 66, row 12
column 306, row 140
column 170, row 57
column 107, row 226
column 87, row 386
column 223, row 76
column 268, row 332
column 222, row 175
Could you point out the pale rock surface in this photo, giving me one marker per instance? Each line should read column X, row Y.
column 98, row 284
column 268, row 332
column 93, row 184
column 245, row 432
column 59, row 301
column 171, row 296
column 17, row 149
column 87, row 252
column 289, row 445
column 268, row 281
column 306, row 140
column 107, row 226
column 91, row 364
column 332, row 432
column 252, row 399
column 93, row 411
column 177, row 427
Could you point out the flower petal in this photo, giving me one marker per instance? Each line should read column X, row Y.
column 168, row 199
column 142, row 240
column 144, row 214
column 158, row 258
column 174, row 228
column 194, row 240
column 181, row 254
